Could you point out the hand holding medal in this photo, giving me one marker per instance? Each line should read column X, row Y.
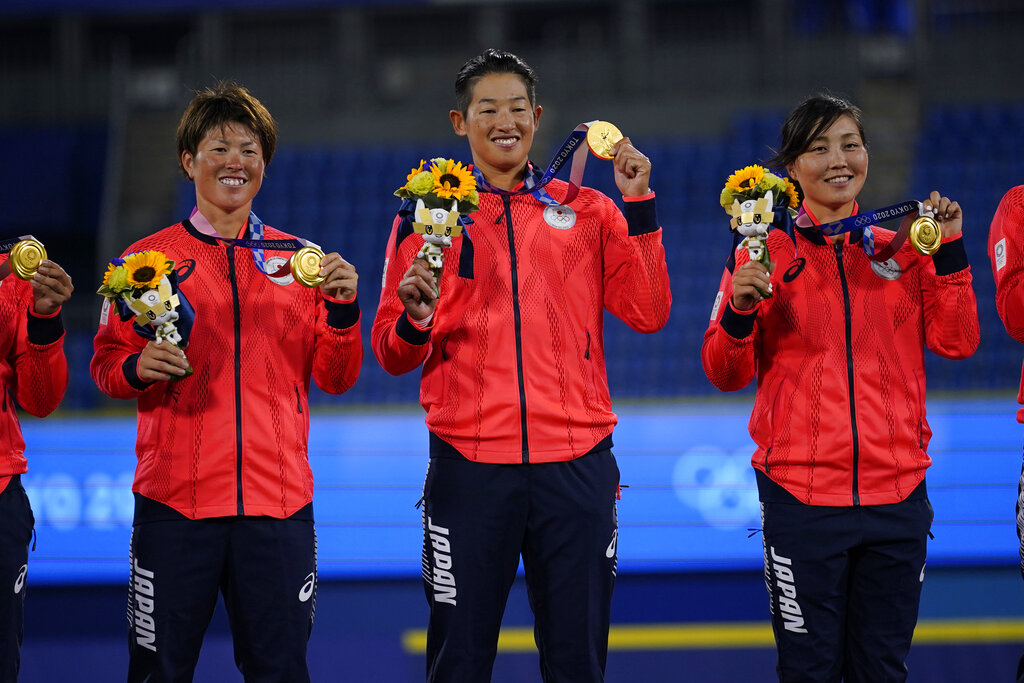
column 632, row 169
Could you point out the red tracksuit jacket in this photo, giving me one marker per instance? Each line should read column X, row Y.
column 513, row 366
column 33, row 370
column 1006, row 252
column 231, row 439
column 838, row 351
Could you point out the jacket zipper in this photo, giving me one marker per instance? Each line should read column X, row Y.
column 849, row 371
column 240, row 508
column 517, row 318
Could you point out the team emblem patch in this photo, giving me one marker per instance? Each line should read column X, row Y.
column 560, row 217
column 274, row 264
column 887, row 270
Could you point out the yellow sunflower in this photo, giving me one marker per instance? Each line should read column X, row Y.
column 145, row 268
column 792, row 193
column 415, row 172
column 454, row 182
column 745, row 179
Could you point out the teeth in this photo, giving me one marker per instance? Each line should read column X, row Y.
column 842, row 179
column 505, row 141
column 234, row 182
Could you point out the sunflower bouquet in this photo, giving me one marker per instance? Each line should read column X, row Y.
column 751, row 196
column 141, row 283
column 443, row 192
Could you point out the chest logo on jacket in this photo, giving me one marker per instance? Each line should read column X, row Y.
column 559, row 217
column 184, row 269
column 887, row 270
column 274, row 264
column 794, row 269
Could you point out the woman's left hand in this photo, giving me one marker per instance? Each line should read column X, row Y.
column 947, row 213
column 632, row 169
column 51, row 288
column 340, row 277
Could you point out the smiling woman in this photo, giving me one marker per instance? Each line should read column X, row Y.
column 204, row 449
column 839, row 415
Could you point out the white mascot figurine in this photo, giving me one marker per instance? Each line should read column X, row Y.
column 752, row 219
column 438, row 227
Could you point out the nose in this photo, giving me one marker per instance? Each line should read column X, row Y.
column 505, row 119
column 234, row 159
column 837, row 158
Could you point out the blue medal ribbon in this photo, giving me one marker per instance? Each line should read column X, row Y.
column 256, row 243
column 864, row 221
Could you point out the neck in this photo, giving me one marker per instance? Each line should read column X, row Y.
column 225, row 223
column 828, row 214
column 500, row 178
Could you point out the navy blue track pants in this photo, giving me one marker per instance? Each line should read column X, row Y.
column 845, row 586
column 264, row 567
column 16, row 522
column 478, row 519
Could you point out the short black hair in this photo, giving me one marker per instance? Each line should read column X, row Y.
column 808, row 121
column 492, row 61
column 221, row 105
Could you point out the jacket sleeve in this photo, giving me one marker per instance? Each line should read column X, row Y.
column 116, row 348
column 398, row 345
column 338, row 354
column 40, row 367
column 728, row 351
column 636, row 282
column 1006, row 252
column 950, row 309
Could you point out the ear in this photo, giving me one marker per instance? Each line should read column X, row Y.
column 736, row 210
column 458, row 122
column 768, row 196
column 537, row 111
column 186, row 163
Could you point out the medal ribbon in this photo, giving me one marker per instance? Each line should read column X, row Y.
column 256, row 243
column 863, row 221
column 574, row 146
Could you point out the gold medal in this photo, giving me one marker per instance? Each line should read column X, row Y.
column 305, row 265
column 925, row 235
column 25, row 258
column 601, row 137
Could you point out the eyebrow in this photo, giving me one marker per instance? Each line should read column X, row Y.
column 247, row 143
column 493, row 100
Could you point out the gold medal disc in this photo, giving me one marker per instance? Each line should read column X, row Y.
column 305, row 265
column 925, row 235
column 601, row 137
column 25, row 258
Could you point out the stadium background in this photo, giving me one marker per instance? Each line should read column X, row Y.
column 90, row 93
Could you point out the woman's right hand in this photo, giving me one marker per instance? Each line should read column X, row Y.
column 160, row 362
column 746, row 281
column 416, row 291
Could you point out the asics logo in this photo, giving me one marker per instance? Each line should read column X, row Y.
column 19, row 583
column 794, row 269
column 307, row 588
column 184, row 269
column 610, row 550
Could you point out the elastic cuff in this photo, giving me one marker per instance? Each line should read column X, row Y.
column 738, row 324
column 341, row 315
column 641, row 214
column 130, row 367
column 407, row 331
column 44, row 329
column 951, row 256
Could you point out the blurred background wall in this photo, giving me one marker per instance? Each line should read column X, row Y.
column 90, row 94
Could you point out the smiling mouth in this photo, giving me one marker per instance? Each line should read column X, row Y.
column 505, row 141
column 839, row 179
column 233, row 182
